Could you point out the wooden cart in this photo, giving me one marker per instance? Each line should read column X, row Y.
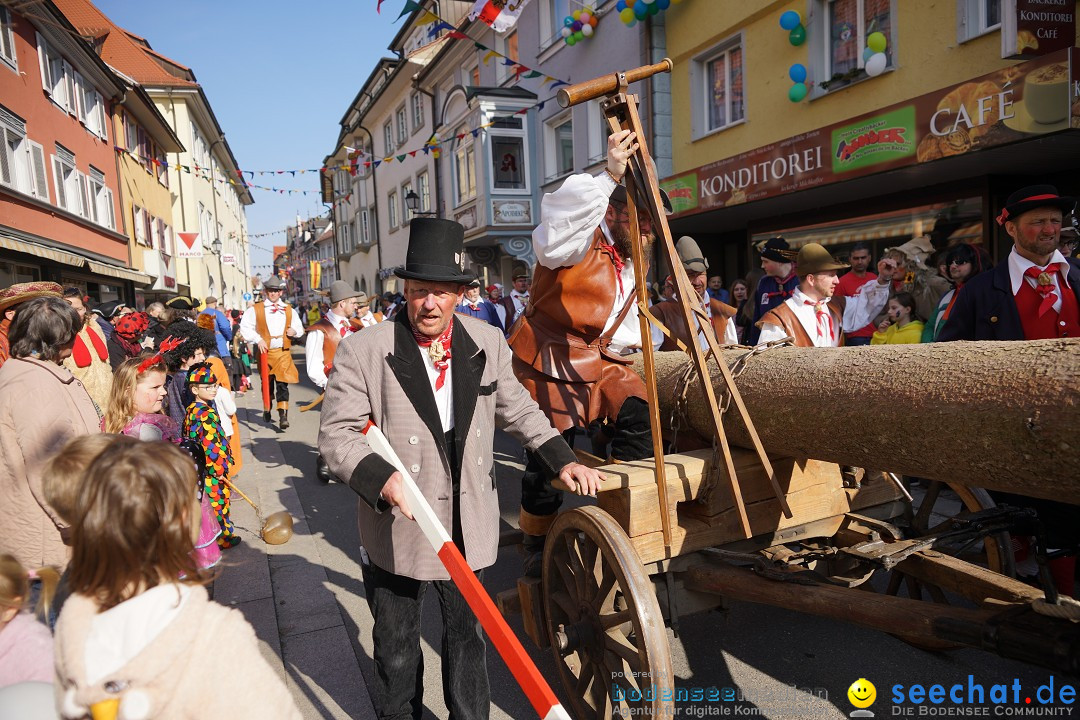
column 677, row 534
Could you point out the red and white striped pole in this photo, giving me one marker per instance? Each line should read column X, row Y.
column 536, row 689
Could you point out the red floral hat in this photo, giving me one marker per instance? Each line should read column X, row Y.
column 21, row 292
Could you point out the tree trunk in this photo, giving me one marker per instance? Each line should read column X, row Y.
column 998, row 415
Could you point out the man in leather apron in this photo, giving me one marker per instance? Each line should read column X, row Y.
column 570, row 345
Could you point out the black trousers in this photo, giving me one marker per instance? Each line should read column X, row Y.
column 396, row 602
column 631, row 439
column 279, row 391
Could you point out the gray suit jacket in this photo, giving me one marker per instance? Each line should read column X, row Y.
column 379, row 375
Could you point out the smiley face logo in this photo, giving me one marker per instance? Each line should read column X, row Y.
column 862, row 693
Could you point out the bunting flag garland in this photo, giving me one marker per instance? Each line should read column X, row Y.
column 501, row 15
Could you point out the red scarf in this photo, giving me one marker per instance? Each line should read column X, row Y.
column 438, row 350
column 783, row 293
column 616, row 259
column 81, row 354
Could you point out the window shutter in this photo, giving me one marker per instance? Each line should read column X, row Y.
column 83, row 187
column 7, row 37
column 103, row 117
column 110, row 211
column 130, row 133
column 43, row 63
column 7, row 161
column 79, row 103
column 58, row 178
column 37, row 171
column 68, row 81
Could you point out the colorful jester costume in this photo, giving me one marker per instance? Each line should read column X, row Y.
column 201, row 424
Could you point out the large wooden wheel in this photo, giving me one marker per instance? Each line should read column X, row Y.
column 604, row 622
column 929, row 512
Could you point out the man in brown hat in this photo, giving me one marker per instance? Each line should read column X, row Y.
column 670, row 312
column 11, row 298
column 813, row 316
column 272, row 324
column 438, row 384
column 515, row 301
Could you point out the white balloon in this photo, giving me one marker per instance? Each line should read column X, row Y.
column 586, row 30
column 647, row 2
column 875, row 65
column 566, row 32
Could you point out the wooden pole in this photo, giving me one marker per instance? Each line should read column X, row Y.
column 998, row 415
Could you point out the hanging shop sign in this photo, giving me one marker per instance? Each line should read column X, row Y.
column 1030, row 28
column 1010, row 105
column 511, row 212
column 188, row 245
column 228, row 259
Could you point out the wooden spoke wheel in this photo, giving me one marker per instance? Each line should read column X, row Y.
column 604, row 622
column 927, row 514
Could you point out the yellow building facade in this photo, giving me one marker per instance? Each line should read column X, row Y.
column 931, row 145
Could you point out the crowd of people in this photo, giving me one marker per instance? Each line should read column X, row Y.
column 120, row 444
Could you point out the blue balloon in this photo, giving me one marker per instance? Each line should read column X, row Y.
column 641, row 10
column 790, row 20
column 568, row 21
column 620, row 6
column 797, row 73
column 866, row 53
column 663, row 4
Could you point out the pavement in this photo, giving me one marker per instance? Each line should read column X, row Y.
column 305, row 600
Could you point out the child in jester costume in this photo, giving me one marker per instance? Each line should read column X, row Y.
column 202, row 425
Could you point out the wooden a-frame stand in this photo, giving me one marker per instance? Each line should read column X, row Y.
column 642, row 188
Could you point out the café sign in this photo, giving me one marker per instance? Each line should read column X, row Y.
column 1006, row 106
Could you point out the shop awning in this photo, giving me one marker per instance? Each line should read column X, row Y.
column 116, row 271
column 891, row 228
column 971, row 233
column 9, row 242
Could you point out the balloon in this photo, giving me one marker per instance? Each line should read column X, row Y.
column 566, row 32
column 866, row 53
column 627, row 15
column 663, row 4
column 876, row 42
column 576, row 14
column 797, row 73
column 790, row 20
column 620, row 6
column 797, row 36
column 630, row 3
column 587, row 30
column 797, row 92
column 571, row 40
column 876, row 64
column 641, row 10
column 568, row 21
column 585, row 17
column 576, row 26
column 579, row 36
column 632, row 22
column 594, row 22
column 647, row 2
column 654, row 9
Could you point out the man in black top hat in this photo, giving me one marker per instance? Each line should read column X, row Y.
column 778, row 284
column 437, row 384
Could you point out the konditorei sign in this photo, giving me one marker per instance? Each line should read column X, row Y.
column 1006, row 106
column 1030, row 28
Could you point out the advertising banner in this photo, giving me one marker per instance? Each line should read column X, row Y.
column 188, row 245
column 1030, row 28
column 1010, row 105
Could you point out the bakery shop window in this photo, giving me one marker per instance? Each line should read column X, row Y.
column 842, row 51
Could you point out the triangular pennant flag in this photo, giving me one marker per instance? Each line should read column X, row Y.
column 476, row 132
column 412, row 153
column 508, row 62
column 427, row 18
column 456, row 35
column 534, row 73
column 401, row 158
column 488, row 55
column 409, row 7
column 557, row 83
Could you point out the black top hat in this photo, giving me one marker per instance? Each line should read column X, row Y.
column 1032, row 197
column 436, row 252
column 182, row 303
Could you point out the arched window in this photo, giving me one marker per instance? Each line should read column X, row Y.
column 363, row 285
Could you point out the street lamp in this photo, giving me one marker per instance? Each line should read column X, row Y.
column 412, row 201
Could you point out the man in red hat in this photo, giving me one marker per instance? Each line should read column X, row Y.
column 1035, row 294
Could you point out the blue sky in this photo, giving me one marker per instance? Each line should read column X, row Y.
column 279, row 76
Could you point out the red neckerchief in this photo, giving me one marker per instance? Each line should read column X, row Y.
column 823, row 317
column 782, row 293
column 81, row 354
column 616, row 259
column 1044, row 284
column 438, row 350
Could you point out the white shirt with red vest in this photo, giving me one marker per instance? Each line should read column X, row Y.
column 313, row 349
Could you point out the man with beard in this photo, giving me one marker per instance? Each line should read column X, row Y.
column 581, row 319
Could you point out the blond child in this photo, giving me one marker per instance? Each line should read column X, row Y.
column 139, row 638
column 25, row 643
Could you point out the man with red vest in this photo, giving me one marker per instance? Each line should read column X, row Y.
column 272, row 324
column 1033, row 295
column 322, row 343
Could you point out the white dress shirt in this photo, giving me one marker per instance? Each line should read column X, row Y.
column 568, row 218
column 500, row 310
column 860, row 309
column 275, row 324
column 444, row 398
column 368, row 319
column 313, row 349
column 731, row 335
column 1019, row 264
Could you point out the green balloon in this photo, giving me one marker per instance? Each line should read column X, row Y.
column 877, row 42
column 653, row 8
column 579, row 36
column 797, row 92
column 571, row 40
column 797, row 36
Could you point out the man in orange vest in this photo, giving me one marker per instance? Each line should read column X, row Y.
column 272, row 324
column 322, row 343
